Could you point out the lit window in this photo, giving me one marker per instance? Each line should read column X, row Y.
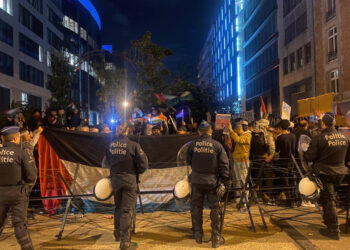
column 224, row 43
column 232, row 30
column 231, row 73
column 332, row 44
column 6, row 5
column 41, row 54
column 228, row 54
column 83, row 33
column 24, row 99
column 48, row 58
column 225, row 24
column 70, row 24
column 222, row 14
column 227, row 92
column 334, row 81
column 237, row 27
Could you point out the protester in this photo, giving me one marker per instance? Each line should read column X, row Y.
column 261, row 153
column 74, row 119
column 20, row 121
column 61, row 118
column 35, row 121
column 241, row 151
column 156, row 130
column 285, row 148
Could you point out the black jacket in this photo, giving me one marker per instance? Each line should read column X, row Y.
column 17, row 171
column 208, row 160
column 125, row 156
column 328, row 151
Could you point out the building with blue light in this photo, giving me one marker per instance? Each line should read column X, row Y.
column 245, row 55
column 261, row 60
column 224, row 57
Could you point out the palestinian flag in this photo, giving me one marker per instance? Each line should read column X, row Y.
column 61, row 151
column 172, row 100
column 158, row 119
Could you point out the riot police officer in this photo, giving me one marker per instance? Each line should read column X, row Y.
column 328, row 152
column 17, row 174
column 126, row 160
column 210, row 169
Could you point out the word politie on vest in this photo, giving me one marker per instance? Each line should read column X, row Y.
column 6, row 156
column 204, row 147
column 336, row 140
column 118, row 148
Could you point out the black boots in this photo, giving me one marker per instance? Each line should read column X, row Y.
column 116, row 234
column 128, row 246
column 217, row 241
column 198, row 237
column 334, row 235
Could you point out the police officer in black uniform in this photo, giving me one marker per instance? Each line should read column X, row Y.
column 17, row 174
column 210, row 169
column 126, row 160
column 328, row 152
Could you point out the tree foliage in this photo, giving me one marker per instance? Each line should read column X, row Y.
column 148, row 59
column 111, row 92
column 203, row 97
column 59, row 82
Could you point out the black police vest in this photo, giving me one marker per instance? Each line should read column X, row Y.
column 121, row 160
column 10, row 166
column 204, row 156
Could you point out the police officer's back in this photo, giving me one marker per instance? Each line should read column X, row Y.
column 328, row 152
column 17, row 172
column 210, row 167
column 126, row 160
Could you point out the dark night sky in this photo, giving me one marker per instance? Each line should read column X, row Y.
column 180, row 25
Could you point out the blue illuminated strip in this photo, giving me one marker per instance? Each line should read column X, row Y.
column 88, row 5
column 239, row 90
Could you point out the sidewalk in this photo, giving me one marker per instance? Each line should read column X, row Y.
column 170, row 230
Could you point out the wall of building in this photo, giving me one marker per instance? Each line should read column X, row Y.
column 261, row 63
column 205, row 65
column 295, row 26
column 19, row 88
column 332, row 65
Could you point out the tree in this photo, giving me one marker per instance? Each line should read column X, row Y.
column 152, row 75
column 112, row 90
column 204, row 99
column 59, row 82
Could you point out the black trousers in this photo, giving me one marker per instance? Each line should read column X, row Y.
column 328, row 200
column 18, row 211
column 125, row 198
column 198, row 193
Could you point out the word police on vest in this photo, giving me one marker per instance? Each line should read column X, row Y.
column 204, row 147
column 336, row 140
column 6, row 156
column 117, row 148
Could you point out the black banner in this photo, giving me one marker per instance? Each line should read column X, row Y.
column 89, row 148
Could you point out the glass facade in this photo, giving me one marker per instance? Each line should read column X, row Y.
column 28, row 20
column 6, row 33
column 6, row 64
column 224, row 54
column 30, row 74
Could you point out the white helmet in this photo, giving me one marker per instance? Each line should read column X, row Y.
column 103, row 189
column 308, row 188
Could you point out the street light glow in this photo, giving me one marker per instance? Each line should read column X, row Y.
column 125, row 104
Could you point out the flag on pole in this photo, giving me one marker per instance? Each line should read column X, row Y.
column 262, row 107
column 158, row 119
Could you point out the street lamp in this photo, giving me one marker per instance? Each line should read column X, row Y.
column 125, row 104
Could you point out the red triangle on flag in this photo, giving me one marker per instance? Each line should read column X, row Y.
column 262, row 107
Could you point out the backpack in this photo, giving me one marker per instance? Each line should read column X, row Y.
column 258, row 144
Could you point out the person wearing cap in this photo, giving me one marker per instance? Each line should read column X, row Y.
column 210, row 172
column 17, row 173
column 126, row 161
column 240, row 154
column 329, row 152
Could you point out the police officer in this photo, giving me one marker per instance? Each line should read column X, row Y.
column 328, row 152
column 126, row 160
column 17, row 174
column 210, row 169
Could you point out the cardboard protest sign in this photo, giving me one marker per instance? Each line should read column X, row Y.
column 222, row 121
column 286, row 109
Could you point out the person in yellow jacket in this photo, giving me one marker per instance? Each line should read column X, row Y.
column 240, row 154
